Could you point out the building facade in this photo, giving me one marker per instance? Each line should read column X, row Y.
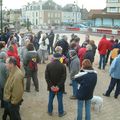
column 42, row 13
column 108, row 17
column 113, row 6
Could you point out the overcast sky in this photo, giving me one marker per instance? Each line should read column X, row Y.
column 89, row 4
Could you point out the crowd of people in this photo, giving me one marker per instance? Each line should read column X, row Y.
column 28, row 51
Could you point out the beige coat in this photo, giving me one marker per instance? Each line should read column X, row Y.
column 14, row 87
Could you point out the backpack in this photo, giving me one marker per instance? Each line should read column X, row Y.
column 33, row 64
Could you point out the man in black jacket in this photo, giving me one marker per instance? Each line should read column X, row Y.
column 55, row 76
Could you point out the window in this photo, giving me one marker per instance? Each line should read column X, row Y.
column 48, row 14
column 113, row 9
column 113, row 1
column 36, row 14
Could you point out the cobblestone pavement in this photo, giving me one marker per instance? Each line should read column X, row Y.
column 34, row 106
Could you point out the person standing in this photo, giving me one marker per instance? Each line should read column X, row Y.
column 115, row 77
column 51, row 41
column 110, row 47
column 89, row 53
column 13, row 90
column 86, row 79
column 55, row 75
column 102, row 48
column 30, row 64
column 3, row 74
column 74, row 69
column 44, row 42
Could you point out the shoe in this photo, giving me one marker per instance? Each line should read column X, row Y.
column 37, row 90
column 63, row 114
column 70, row 84
column 73, row 98
column 106, row 95
column 27, row 91
column 115, row 97
column 65, row 93
column 99, row 68
column 50, row 114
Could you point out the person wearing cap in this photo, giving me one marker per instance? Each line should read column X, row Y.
column 74, row 69
column 55, row 75
column 3, row 74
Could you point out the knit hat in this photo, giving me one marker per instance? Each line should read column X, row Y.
column 57, row 56
column 72, row 53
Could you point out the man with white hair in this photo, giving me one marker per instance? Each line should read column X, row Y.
column 89, row 53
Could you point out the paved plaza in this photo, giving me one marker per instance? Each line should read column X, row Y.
column 34, row 106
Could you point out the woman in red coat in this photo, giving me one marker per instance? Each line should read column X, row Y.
column 11, row 52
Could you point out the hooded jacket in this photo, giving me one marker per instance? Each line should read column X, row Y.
column 86, row 80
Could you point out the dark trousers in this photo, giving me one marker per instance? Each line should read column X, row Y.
column 2, row 102
column 35, row 81
column 60, row 102
column 102, row 62
column 107, row 56
column 50, row 49
column 114, row 82
column 12, row 111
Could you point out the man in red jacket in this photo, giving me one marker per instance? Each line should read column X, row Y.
column 102, row 48
column 110, row 47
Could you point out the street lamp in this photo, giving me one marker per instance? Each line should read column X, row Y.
column 1, row 16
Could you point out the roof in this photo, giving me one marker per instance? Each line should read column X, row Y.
column 94, row 12
column 51, row 5
column 70, row 7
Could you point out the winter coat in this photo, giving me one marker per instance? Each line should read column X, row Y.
column 74, row 67
column 55, row 75
column 3, row 74
column 94, row 47
column 14, row 87
column 51, row 38
column 30, row 55
column 110, row 44
column 86, row 80
column 103, row 46
column 42, row 45
column 115, row 68
column 64, row 45
column 89, row 55
column 81, row 54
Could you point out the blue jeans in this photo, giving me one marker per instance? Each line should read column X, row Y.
column 87, row 109
column 60, row 102
column 74, row 85
column 102, row 61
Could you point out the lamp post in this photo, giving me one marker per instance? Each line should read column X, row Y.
column 1, row 16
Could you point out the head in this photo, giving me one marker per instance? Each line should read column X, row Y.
column 11, row 63
column 11, row 48
column 87, row 37
column 72, row 45
column 64, row 37
column 92, row 42
column 116, row 41
column 30, row 47
column 84, row 44
column 104, row 36
column 77, row 40
column 3, row 56
column 112, row 38
column 86, row 64
column 27, row 41
column 72, row 53
column 58, row 49
column 88, row 47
